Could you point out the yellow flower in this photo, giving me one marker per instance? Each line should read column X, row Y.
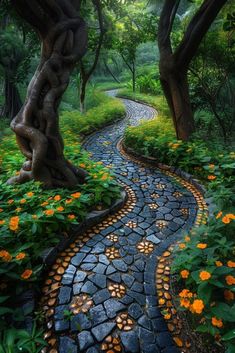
column 27, row 274
column 20, row 256
column 204, row 275
column 184, row 273
column 197, row 306
column 216, row 322
column 202, row 246
column 218, row 263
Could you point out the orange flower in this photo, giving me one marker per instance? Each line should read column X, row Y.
column 230, row 280
column 226, row 220
column 20, row 256
column 218, row 263
column 185, row 303
column 76, row 195
column 18, row 209
column 82, row 165
column 60, row 208
column 2, row 222
column 197, row 306
column 219, row 215
column 68, row 201
column 10, row 201
column 217, row 322
column 202, row 246
column 30, row 194
column 228, row 294
column 104, row 177
column 167, row 316
column 71, row 216
column 230, row 215
column 187, row 238
column 211, row 177
column 5, row 256
column 22, row 201
column 182, row 246
column 185, row 293
column 26, row 274
column 231, row 264
column 49, row 212
column 44, row 204
column 1, row 210
column 184, row 274
column 14, row 223
column 34, row 216
column 204, row 275
column 57, row 198
column 211, row 166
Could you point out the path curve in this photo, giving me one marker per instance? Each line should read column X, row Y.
column 109, row 276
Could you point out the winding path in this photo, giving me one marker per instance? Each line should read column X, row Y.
column 109, row 283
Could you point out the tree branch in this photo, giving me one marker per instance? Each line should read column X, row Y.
column 196, row 30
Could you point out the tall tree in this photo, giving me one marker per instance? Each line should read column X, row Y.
column 64, row 41
column 174, row 65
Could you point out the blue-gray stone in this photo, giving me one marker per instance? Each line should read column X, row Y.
column 120, row 265
column 103, row 330
column 77, row 259
column 64, row 296
column 101, row 296
column 130, row 342
column 61, row 325
column 98, row 315
column 80, row 322
column 135, row 311
column 89, row 288
column 67, row 345
column 80, row 276
column 112, row 307
column 85, row 340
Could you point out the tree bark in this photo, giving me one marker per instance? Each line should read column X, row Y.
column 64, row 41
column 173, row 66
column 133, row 77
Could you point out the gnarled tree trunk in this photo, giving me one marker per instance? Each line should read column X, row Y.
column 64, row 41
column 12, row 102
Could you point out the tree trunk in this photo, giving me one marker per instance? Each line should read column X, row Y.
column 176, row 90
column 134, row 78
column 64, row 42
column 83, row 84
column 13, row 101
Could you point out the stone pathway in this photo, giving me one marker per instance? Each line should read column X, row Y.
column 109, row 283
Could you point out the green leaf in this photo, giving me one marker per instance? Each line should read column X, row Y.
column 229, row 335
column 3, row 298
column 224, row 311
column 204, row 292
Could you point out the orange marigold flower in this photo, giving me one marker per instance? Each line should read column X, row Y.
column 211, row 166
column 202, row 246
column 82, row 165
column 218, row 263
column 230, row 280
column 22, row 201
column 167, row 316
column 71, row 216
column 34, row 216
column 216, row 322
column 182, row 246
column 228, row 294
column 5, row 256
column 20, row 256
column 57, row 198
column 187, row 238
column 184, row 273
column 226, row 220
column 211, row 177
column 197, row 306
column 10, row 201
column 104, row 177
column 60, row 208
column 30, row 194
column 185, row 303
column 44, row 204
column 14, row 223
column 26, row 274
column 230, row 215
column 231, row 264
column 2, row 222
column 49, row 212
column 185, row 293
column 1, row 209
column 76, row 195
column 68, row 201
column 219, row 215
column 204, row 275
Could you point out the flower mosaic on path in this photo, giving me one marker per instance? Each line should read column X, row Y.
column 106, row 291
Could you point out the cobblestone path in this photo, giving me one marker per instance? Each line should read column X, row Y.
column 109, row 283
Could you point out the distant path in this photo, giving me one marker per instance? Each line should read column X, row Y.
column 110, row 282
